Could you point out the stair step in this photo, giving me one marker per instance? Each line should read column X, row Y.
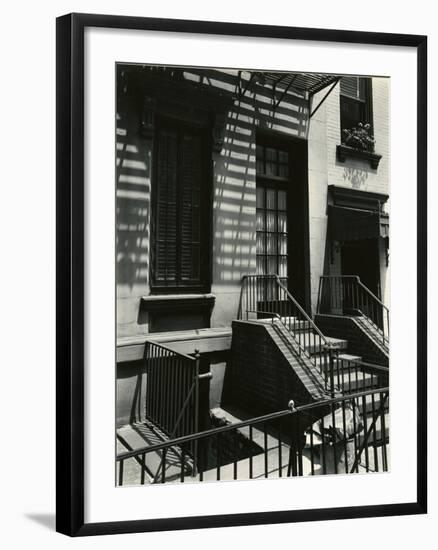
column 304, row 334
column 295, row 324
column 314, row 345
column 235, row 416
column 137, row 436
column 373, row 331
column 348, row 357
column 350, row 382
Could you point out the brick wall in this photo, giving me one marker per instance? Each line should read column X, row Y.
column 261, row 377
column 324, row 169
column 359, row 343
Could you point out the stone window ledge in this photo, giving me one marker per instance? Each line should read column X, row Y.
column 343, row 152
column 177, row 301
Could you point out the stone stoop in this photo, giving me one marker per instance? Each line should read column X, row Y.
column 373, row 332
column 364, row 338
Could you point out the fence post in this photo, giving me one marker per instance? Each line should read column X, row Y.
column 318, row 303
column 332, row 370
column 196, row 412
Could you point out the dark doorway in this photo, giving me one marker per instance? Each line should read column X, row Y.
column 361, row 258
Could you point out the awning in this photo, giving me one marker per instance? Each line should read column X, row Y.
column 306, row 84
column 349, row 224
column 302, row 82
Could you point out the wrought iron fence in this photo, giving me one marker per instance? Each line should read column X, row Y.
column 172, row 392
column 348, row 434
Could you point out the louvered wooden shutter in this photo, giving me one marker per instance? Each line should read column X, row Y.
column 177, row 261
column 190, row 188
column 166, row 213
column 350, row 86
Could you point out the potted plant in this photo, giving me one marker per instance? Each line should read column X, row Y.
column 360, row 137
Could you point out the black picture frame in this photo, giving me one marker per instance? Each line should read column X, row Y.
column 70, row 273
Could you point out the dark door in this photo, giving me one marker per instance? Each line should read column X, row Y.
column 282, row 222
column 361, row 258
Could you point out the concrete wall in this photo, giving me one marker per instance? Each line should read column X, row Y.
column 234, row 212
column 133, row 187
column 234, row 199
column 131, row 391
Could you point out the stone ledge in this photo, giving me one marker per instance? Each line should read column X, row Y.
column 343, row 152
column 161, row 302
column 207, row 340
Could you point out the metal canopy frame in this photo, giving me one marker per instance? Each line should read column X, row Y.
column 324, row 98
column 307, row 84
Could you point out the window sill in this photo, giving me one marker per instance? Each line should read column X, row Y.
column 343, row 152
column 174, row 302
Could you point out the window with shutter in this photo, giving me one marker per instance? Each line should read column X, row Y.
column 180, row 246
column 355, row 102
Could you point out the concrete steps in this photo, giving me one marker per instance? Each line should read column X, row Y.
column 351, row 383
column 304, row 334
column 373, row 331
column 297, row 325
column 347, row 379
column 137, row 436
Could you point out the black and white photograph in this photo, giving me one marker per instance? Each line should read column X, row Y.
column 218, row 277
column 252, row 261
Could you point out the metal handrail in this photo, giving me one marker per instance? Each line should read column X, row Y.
column 351, row 288
column 381, row 368
column 261, row 293
column 303, row 312
column 360, row 283
column 245, row 423
column 168, row 348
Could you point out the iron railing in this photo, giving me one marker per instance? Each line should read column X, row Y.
column 347, row 295
column 172, row 392
column 347, row 434
column 267, row 297
column 352, row 375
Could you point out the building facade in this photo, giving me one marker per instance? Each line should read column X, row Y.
column 223, row 174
